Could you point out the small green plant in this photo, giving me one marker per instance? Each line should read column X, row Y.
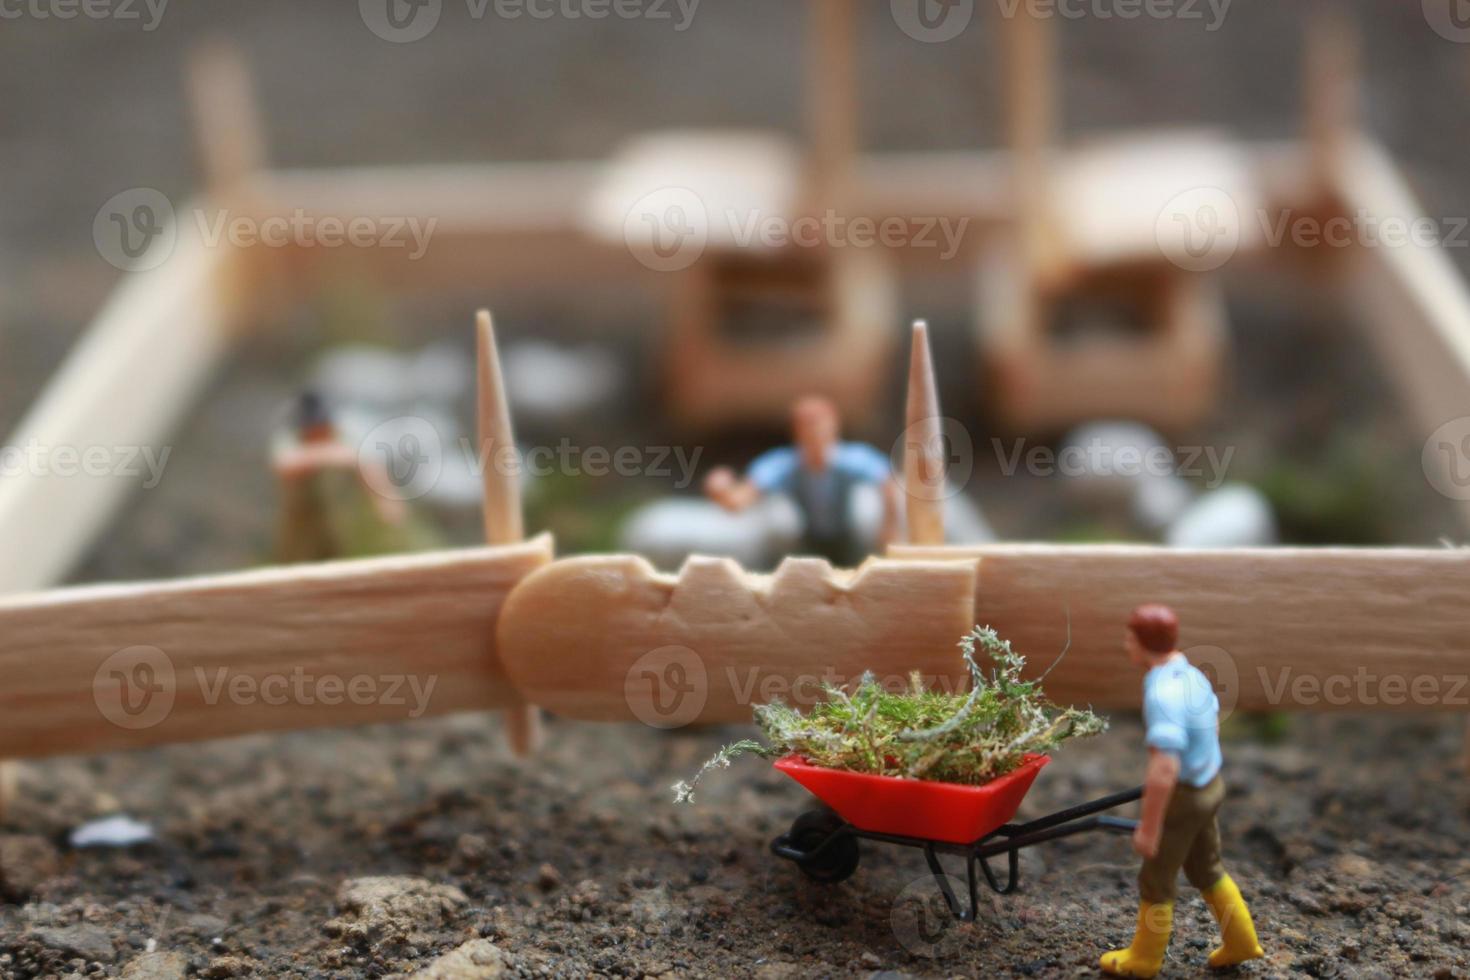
column 917, row 733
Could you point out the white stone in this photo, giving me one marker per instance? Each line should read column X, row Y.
column 1234, row 516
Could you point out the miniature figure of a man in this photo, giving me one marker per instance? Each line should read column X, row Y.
column 819, row 472
column 1182, row 794
column 328, row 508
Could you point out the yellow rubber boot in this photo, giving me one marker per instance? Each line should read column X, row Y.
column 1237, row 930
column 1146, row 956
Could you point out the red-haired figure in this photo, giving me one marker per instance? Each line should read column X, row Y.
column 1182, row 793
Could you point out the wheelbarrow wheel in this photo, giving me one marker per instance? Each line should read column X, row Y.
column 829, row 864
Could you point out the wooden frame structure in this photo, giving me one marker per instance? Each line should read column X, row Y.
column 490, row 614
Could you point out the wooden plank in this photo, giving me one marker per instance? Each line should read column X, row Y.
column 1280, row 629
column 1412, row 300
column 126, row 384
column 608, row 638
column 99, row 668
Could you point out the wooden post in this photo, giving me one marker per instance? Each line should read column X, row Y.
column 1331, row 97
column 504, row 522
column 226, row 118
column 923, row 449
column 832, row 103
column 7, row 786
column 1030, row 78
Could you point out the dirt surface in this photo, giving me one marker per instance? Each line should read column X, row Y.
column 371, row 853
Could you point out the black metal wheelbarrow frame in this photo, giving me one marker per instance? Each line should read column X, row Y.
column 825, row 847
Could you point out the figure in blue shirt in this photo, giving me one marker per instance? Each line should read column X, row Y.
column 1179, row 827
column 819, row 473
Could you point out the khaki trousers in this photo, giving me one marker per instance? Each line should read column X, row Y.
column 1190, row 841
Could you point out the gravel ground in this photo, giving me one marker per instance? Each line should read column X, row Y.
column 374, row 852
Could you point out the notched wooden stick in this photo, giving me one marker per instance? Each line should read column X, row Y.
column 609, row 638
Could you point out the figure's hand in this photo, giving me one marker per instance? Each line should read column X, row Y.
column 719, row 486
column 1145, row 844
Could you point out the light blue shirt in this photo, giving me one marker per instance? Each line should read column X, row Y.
column 823, row 497
column 1181, row 716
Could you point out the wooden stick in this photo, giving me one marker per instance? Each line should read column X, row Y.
column 1331, row 94
column 100, row 668
column 502, row 507
column 1330, row 629
column 8, row 781
column 226, row 117
column 832, row 103
column 1030, row 92
column 504, row 521
column 124, row 386
column 923, row 450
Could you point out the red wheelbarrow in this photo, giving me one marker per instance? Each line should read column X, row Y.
column 971, row 821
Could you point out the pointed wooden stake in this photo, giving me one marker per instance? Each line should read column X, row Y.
column 923, row 451
column 504, row 523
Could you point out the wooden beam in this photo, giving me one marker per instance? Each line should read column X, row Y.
column 504, row 520
column 1331, row 629
column 99, row 668
column 128, row 381
column 1411, row 299
column 923, row 446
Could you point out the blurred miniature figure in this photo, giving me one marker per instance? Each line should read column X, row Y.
column 819, row 473
column 1182, row 794
column 329, row 507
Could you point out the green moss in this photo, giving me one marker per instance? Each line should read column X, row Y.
column 917, row 733
column 1340, row 496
